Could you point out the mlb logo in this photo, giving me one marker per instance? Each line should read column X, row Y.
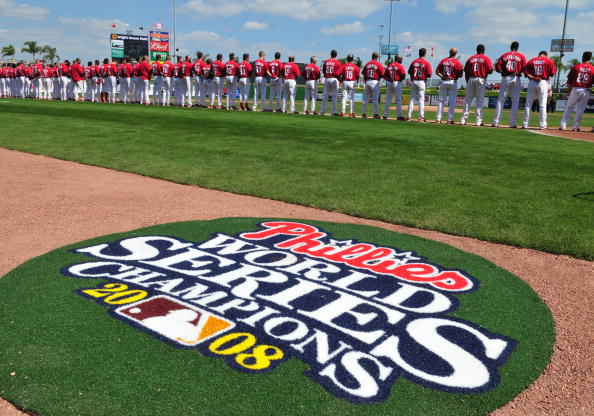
column 178, row 322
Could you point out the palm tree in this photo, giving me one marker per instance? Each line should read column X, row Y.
column 50, row 54
column 559, row 66
column 31, row 47
column 8, row 51
column 358, row 61
column 572, row 62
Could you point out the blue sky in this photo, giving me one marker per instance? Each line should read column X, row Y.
column 80, row 28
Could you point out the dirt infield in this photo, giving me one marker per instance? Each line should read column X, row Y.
column 48, row 204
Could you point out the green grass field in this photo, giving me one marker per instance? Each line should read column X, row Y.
column 503, row 185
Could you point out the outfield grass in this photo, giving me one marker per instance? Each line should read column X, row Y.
column 503, row 185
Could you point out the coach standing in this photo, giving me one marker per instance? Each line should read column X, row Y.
column 449, row 70
column 538, row 70
column 419, row 71
column 395, row 74
column 331, row 70
column 476, row 70
column 510, row 65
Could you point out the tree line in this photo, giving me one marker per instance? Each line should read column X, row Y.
column 46, row 52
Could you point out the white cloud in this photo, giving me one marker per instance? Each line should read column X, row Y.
column 25, row 11
column 208, row 42
column 346, row 29
column 299, row 9
column 452, row 6
column 252, row 25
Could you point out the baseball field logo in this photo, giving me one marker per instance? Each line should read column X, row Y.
column 358, row 314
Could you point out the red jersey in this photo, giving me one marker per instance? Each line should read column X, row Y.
column 275, row 68
column 350, row 72
column 197, row 67
column 312, row 72
column 207, row 72
column 125, row 70
column 260, row 67
column 581, row 76
column 245, row 69
column 541, row 68
column 217, row 68
column 106, row 70
column 156, row 69
column 373, row 70
column 37, row 70
column 420, row 70
column 87, row 70
column 231, row 68
column 186, row 68
column 144, row 70
column 76, row 72
column 395, row 72
column 65, row 70
column 291, row 71
column 450, row 68
column 478, row 66
column 332, row 68
column 46, row 72
column 96, row 71
column 167, row 69
column 511, row 63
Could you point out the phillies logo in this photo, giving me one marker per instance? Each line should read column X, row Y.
column 358, row 314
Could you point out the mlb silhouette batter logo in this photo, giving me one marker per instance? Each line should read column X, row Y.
column 175, row 321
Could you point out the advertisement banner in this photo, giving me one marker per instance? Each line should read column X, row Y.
column 158, row 44
column 128, row 46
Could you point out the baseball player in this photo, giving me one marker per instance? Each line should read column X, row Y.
column 3, row 78
column 179, row 84
column 312, row 77
column 419, row 71
column 64, row 79
column 97, row 80
column 245, row 72
column 125, row 72
column 538, row 70
column 372, row 72
column 579, row 83
column 275, row 70
column 260, row 70
column 449, row 70
column 157, row 73
column 510, row 65
column 187, row 68
column 46, row 74
column 349, row 75
column 166, row 82
column 197, row 80
column 144, row 76
column 331, row 70
column 56, row 71
column 78, row 78
column 89, row 89
column 112, row 70
column 218, row 68
column 395, row 74
column 37, row 83
column 136, row 82
column 207, row 76
column 476, row 70
column 290, row 73
column 231, row 70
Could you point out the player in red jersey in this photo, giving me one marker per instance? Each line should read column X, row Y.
column 125, row 73
column 476, row 70
column 108, row 87
column 97, row 80
column 187, row 68
column 349, row 76
column 3, row 78
column 312, row 77
column 36, row 79
column 218, row 69
column 331, row 70
column 290, row 73
column 579, row 83
column 178, row 83
column 419, row 71
column 510, row 65
column 197, row 80
column 136, row 83
column 157, row 72
column 449, row 70
column 260, row 71
column 372, row 72
column 64, row 80
column 538, row 70
column 275, row 70
column 231, row 70
column 245, row 72
column 167, row 72
column 207, row 76
column 144, row 74
column 89, row 81
column 78, row 76
column 395, row 74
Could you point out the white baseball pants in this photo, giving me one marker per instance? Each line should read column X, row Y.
column 231, row 84
column 577, row 101
column 393, row 89
column 276, row 86
column 539, row 90
column 330, row 90
column 311, row 93
column 512, row 86
column 475, row 89
column 417, row 94
column 448, row 90
column 348, row 94
column 372, row 89
column 259, row 90
column 289, row 90
column 244, row 90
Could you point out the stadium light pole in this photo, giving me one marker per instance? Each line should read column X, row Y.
column 561, row 54
column 390, row 30
column 174, row 28
column 380, row 37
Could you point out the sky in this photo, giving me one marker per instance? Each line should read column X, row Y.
column 81, row 28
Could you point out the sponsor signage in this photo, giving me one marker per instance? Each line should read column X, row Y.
column 128, row 46
column 389, row 50
column 158, row 44
column 562, row 45
column 360, row 315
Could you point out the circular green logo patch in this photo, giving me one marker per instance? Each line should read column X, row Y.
column 267, row 317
